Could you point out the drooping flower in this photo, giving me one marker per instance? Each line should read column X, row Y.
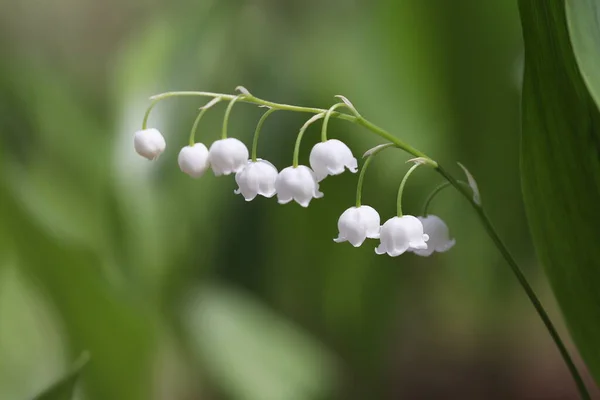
column 257, row 178
column 358, row 223
column 193, row 160
column 400, row 234
column 297, row 183
column 330, row 158
column 149, row 143
column 227, row 156
column 439, row 236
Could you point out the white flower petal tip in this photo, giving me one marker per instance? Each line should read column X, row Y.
column 149, row 143
column 297, row 183
column 193, row 160
column 330, row 158
column 256, row 178
column 356, row 224
column 228, row 156
column 439, row 236
column 401, row 234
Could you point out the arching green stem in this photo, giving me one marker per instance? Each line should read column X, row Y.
column 361, row 177
column 245, row 98
column 326, row 120
column 401, row 188
column 147, row 114
column 301, row 133
column 227, row 112
column 436, row 191
column 261, row 121
column 203, row 111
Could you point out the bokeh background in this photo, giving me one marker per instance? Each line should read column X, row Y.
column 181, row 290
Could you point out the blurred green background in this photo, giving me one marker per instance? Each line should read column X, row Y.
column 181, row 290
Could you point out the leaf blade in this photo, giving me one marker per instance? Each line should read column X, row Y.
column 584, row 30
column 64, row 388
column 560, row 171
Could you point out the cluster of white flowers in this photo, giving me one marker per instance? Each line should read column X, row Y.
column 227, row 156
column 420, row 235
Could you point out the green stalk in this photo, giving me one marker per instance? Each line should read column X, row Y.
column 261, row 121
column 436, row 191
column 227, row 112
column 326, row 120
column 195, row 125
column 247, row 98
column 401, row 189
column 300, row 134
column 361, row 177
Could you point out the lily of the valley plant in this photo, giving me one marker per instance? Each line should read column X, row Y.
column 422, row 235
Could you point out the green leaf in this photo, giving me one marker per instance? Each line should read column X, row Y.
column 584, row 29
column 252, row 352
column 64, row 388
column 560, row 165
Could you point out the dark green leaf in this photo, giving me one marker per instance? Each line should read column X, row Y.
column 560, row 167
column 64, row 388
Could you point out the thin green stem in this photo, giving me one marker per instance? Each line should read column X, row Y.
column 361, row 177
column 287, row 107
column 203, row 111
column 245, row 99
column 326, row 120
column 539, row 308
column 261, row 121
column 147, row 114
column 401, row 189
column 227, row 112
column 301, row 133
column 391, row 138
column 436, row 191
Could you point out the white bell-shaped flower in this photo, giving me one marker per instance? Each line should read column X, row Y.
column 330, row 158
column 439, row 236
column 400, row 234
column 358, row 223
column 228, row 156
column 149, row 143
column 297, row 183
column 193, row 160
column 257, row 178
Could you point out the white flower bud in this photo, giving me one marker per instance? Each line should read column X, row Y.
column 193, row 160
column 330, row 158
column 439, row 236
column 400, row 234
column 358, row 223
column 257, row 178
column 228, row 156
column 297, row 183
column 149, row 143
